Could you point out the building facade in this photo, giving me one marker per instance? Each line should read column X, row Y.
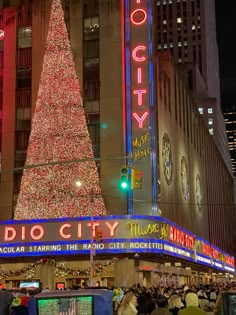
column 138, row 107
column 230, row 122
column 188, row 30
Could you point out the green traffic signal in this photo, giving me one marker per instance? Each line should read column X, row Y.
column 124, row 178
column 124, row 185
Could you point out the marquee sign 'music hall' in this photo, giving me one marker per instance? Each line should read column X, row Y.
column 121, row 235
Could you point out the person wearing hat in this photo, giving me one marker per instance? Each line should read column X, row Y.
column 6, row 297
column 192, row 307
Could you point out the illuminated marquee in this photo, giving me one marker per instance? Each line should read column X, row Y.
column 121, row 234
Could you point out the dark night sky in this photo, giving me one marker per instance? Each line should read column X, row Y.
column 226, row 38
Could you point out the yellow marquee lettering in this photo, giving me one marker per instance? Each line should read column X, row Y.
column 137, row 230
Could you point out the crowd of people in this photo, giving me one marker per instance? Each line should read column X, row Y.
column 20, row 303
column 138, row 300
column 185, row 300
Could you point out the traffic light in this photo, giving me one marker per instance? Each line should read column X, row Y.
column 136, row 178
column 124, row 178
column 98, row 236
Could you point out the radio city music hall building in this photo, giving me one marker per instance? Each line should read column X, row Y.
column 178, row 228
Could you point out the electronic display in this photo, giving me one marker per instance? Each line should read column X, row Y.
column 229, row 302
column 29, row 284
column 76, row 305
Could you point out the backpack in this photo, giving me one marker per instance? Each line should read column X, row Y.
column 209, row 307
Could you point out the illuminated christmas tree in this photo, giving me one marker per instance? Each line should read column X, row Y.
column 59, row 133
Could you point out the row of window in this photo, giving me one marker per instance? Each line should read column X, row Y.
column 91, row 74
column 184, row 111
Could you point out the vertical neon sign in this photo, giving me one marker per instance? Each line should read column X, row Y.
column 139, row 101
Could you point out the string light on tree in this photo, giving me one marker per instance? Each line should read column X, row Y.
column 59, row 133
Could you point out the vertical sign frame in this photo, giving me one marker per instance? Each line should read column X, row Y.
column 139, row 102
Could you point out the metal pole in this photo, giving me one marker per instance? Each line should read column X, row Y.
column 92, row 250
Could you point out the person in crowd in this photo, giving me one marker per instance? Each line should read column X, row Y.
column 192, row 307
column 175, row 304
column 32, row 305
column 168, row 292
column 213, row 296
column 142, row 306
column 150, row 297
column 185, row 291
column 210, row 306
column 6, row 299
column 202, row 298
column 19, row 305
column 128, row 304
column 117, row 298
column 161, row 306
column 23, row 292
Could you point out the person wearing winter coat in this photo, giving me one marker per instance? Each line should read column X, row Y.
column 6, row 297
column 192, row 307
column 142, row 306
column 161, row 306
column 128, row 304
column 175, row 304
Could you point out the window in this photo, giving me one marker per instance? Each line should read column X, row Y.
column 23, row 97
column 24, row 57
column 211, row 131
column 200, row 109
column 210, row 121
column 91, row 49
column 91, row 24
column 22, row 139
column 91, row 90
column 210, row 110
column 23, row 82
column 24, row 37
column 23, row 113
column 91, row 8
column 94, row 132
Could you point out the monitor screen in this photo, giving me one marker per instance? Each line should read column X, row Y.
column 229, row 302
column 29, row 284
column 79, row 305
column 60, row 285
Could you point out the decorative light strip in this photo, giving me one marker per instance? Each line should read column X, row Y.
column 203, row 259
column 229, row 269
column 177, row 250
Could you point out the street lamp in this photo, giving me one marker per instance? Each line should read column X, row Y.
column 78, row 183
column 92, row 249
